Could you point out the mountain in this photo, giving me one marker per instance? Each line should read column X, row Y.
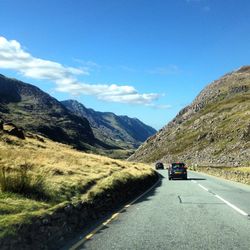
column 120, row 131
column 69, row 122
column 213, row 130
column 34, row 110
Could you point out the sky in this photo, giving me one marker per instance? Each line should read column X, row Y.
column 140, row 58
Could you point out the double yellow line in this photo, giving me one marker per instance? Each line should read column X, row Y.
column 112, row 217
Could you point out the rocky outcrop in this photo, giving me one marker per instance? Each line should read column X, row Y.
column 12, row 129
column 212, row 130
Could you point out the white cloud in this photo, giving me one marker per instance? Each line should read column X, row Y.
column 14, row 57
column 159, row 106
column 131, row 98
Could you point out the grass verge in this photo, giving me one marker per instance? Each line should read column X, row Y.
column 239, row 174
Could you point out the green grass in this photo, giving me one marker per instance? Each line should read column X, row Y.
column 225, row 105
column 19, row 180
column 12, row 203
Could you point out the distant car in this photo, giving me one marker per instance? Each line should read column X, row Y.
column 177, row 170
column 159, row 165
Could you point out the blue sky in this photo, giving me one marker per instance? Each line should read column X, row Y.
column 141, row 58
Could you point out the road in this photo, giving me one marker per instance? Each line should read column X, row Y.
column 202, row 212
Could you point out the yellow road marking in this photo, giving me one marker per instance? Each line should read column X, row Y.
column 89, row 236
column 115, row 215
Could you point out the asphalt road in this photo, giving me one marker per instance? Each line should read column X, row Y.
column 202, row 212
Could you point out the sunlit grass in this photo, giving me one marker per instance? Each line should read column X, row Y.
column 239, row 174
column 67, row 175
column 240, row 169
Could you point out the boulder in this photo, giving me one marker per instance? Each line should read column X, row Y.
column 12, row 129
column 1, row 125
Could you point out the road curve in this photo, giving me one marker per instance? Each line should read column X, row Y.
column 202, row 212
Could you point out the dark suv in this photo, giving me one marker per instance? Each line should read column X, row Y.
column 159, row 165
column 177, row 170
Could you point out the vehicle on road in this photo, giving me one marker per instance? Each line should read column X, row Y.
column 159, row 165
column 177, row 170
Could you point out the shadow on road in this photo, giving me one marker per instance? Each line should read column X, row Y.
column 152, row 192
column 80, row 235
column 196, row 179
column 188, row 179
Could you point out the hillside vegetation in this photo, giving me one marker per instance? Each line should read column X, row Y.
column 212, row 131
column 37, row 175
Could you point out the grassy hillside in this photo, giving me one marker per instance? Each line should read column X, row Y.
column 36, row 175
column 212, row 131
column 35, row 110
column 239, row 174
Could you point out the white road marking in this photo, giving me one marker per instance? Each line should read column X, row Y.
column 194, row 181
column 225, row 201
column 203, row 187
column 232, row 206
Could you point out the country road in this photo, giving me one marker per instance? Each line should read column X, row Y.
column 202, row 212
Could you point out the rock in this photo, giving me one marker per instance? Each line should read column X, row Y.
column 1, row 125
column 68, row 209
column 78, row 206
column 12, row 129
column 201, row 136
column 45, row 221
column 238, row 89
column 39, row 138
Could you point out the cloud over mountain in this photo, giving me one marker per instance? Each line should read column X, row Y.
column 13, row 56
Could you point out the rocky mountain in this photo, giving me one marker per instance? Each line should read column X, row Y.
column 34, row 110
column 120, row 131
column 213, row 130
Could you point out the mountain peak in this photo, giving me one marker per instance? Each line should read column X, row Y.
column 244, row 69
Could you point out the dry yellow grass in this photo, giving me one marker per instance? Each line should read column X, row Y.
column 68, row 174
column 239, row 174
column 241, row 169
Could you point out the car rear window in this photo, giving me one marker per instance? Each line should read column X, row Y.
column 178, row 165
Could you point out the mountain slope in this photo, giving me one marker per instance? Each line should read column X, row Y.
column 36, row 111
column 213, row 130
column 120, row 131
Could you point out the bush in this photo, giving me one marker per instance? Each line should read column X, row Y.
column 20, row 180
